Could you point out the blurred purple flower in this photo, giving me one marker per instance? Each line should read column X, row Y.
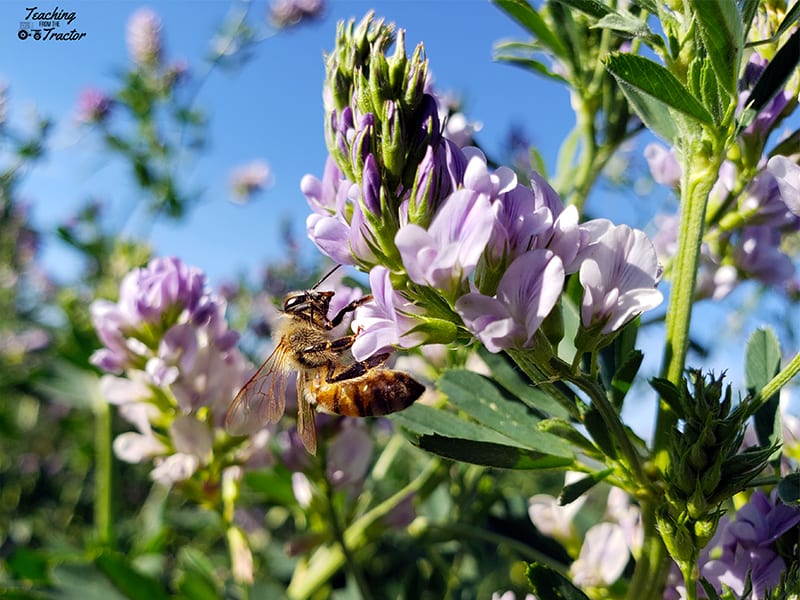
column 787, row 177
column 759, row 256
column 527, row 292
column 385, row 322
column 765, row 202
column 250, row 179
column 603, row 557
column 94, row 106
column 287, row 13
column 748, row 546
column 663, row 165
column 619, row 271
column 349, row 456
column 767, row 117
column 143, row 36
column 445, row 254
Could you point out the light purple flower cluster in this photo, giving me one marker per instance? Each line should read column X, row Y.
column 168, row 335
column 747, row 546
column 143, row 37
column 249, row 179
column 453, row 247
column 287, row 13
column 94, row 106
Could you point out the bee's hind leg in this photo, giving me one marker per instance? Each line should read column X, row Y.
column 356, row 369
column 349, row 308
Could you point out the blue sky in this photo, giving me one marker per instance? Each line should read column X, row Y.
column 270, row 109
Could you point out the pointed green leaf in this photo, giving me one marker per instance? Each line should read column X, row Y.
column 490, row 454
column 749, row 8
column 527, row 16
column 573, row 491
column 762, row 363
column 648, row 5
column 510, row 378
column 788, row 145
column 782, row 66
column 530, row 64
column 598, row 429
column 721, row 30
column 789, row 489
column 645, row 83
column 625, row 376
column 592, row 8
column 762, row 359
column 425, row 420
column 626, row 23
column 481, row 399
column 791, row 17
column 548, row 583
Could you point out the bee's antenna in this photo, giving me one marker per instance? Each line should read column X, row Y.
column 324, row 277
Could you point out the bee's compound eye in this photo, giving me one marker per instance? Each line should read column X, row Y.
column 293, row 300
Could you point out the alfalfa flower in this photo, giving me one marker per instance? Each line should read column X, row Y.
column 619, row 272
column 527, row 292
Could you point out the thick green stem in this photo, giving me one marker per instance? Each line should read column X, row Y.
column 652, row 565
column 700, row 170
column 103, row 474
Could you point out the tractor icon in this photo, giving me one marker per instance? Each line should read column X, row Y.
column 25, row 31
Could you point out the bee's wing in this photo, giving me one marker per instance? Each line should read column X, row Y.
column 262, row 399
column 306, row 419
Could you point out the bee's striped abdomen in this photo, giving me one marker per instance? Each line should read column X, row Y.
column 376, row 393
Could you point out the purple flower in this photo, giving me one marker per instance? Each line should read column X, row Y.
column 787, row 177
column 619, row 271
column 758, row 255
column 663, row 165
column 748, row 546
column 287, row 13
column 385, row 322
column 93, row 106
column 445, row 254
column 527, row 292
column 250, row 179
column 764, row 202
column 349, row 456
column 439, row 173
column 144, row 37
column 344, row 241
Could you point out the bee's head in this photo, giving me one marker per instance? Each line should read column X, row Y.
column 309, row 304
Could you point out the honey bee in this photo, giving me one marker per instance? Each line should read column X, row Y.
column 328, row 377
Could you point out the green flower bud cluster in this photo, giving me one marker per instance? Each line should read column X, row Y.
column 375, row 105
column 706, row 467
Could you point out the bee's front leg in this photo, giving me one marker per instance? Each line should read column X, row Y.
column 356, row 369
column 349, row 308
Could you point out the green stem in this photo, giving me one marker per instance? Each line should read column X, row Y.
column 327, row 560
column 700, row 170
column 652, row 565
column 103, row 474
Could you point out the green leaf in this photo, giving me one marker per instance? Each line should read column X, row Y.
column 788, row 145
column 127, row 580
column 669, row 394
column 789, row 489
column 527, row 16
column 573, row 491
column 548, row 583
column 593, row 8
column 565, row 430
column 625, row 22
column 530, row 64
column 481, row 399
column 762, row 363
column 490, row 454
column 513, row 380
column 749, row 8
column 196, row 579
column 29, row 565
column 625, row 376
column 648, row 5
column 645, row 82
column 791, row 17
column 772, row 80
column 425, row 420
column 598, row 429
column 721, row 30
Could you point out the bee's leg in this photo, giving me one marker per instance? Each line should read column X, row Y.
column 349, row 308
column 356, row 369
